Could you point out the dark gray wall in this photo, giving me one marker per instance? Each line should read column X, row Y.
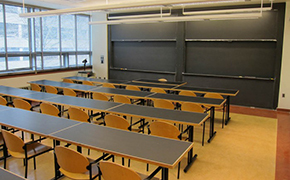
column 233, row 54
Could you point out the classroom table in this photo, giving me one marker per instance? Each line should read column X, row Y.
column 188, row 118
column 7, row 175
column 145, row 148
column 152, row 81
column 203, row 90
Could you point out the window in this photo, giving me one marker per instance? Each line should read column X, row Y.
column 36, row 44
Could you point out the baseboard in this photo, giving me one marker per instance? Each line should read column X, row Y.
column 283, row 110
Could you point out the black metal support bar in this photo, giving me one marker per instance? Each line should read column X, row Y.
column 212, row 133
column 190, row 157
column 228, row 118
column 56, row 166
column 153, row 173
column 164, row 174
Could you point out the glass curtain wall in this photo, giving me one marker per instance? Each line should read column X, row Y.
column 36, row 44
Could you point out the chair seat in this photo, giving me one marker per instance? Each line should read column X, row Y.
column 32, row 149
column 86, row 175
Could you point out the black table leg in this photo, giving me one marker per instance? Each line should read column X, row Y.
column 56, row 166
column 190, row 157
column 228, row 118
column 212, row 133
column 164, row 173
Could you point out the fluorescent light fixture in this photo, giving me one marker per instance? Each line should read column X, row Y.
column 161, row 14
column 227, row 11
column 208, row 2
column 135, row 4
column 180, row 18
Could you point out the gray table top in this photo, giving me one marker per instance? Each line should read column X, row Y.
column 78, row 87
column 150, row 81
column 183, row 117
column 229, row 92
column 16, row 92
column 33, row 122
column 180, row 98
column 151, row 149
column 112, row 81
column 7, row 175
column 124, row 92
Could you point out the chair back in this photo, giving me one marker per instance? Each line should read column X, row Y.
column 192, row 107
column 162, row 103
column 213, row 95
column 100, row 96
column 22, row 104
column 78, row 114
column 133, row 88
column 116, row 122
column 162, row 80
column 113, row 171
column 51, row 89
column 108, row 85
column 68, row 81
column 70, row 160
column 3, row 101
column 49, row 109
column 158, row 90
column 187, row 93
column 122, row 99
column 164, row 129
column 90, row 83
column 69, row 92
column 14, row 143
column 35, row 87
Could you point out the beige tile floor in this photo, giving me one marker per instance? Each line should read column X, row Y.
column 244, row 150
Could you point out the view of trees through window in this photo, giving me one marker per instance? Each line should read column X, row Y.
column 50, row 42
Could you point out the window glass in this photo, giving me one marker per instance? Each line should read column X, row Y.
column 83, row 33
column 83, row 57
column 50, row 32
column 2, row 64
column 37, row 33
column 18, row 62
column 16, row 30
column 2, row 45
column 38, row 62
column 68, row 37
column 51, row 62
column 72, row 60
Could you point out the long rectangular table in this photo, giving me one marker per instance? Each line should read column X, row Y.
column 7, row 175
column 188, row 118
column 145, row 148
column 225, row 92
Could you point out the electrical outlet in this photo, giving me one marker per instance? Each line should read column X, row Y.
column 283, row 95
column 102, row 59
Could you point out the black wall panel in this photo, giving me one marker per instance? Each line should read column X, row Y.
column 231, row 58
column 157, row 56
column 263, row 28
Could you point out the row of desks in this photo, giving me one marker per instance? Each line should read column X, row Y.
column 163, row 152
column 178, row 86
column 188, row 118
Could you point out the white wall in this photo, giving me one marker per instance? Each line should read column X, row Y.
column 284, row 103
column 100, row 45
column 21, row 81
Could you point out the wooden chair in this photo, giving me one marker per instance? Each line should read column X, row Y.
column 18, row 149
column 3, row 101
column 162, row 80
column 90, row 83
column 78, row 115
column 69, row 92
column 113, row 171
column 49, row 109
column 102, row 97
column 22, row 104
column 122, row 99
column 192, row 107
column 35, row 87
column 108, row 85
column 162, row 103
column 117, row 122
column 133, row 88
column 163, row 129
column 187, row 93
column 75, row 165
column 51, row 89
column 158, row 90
column 68, row 81
column 217, row 96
